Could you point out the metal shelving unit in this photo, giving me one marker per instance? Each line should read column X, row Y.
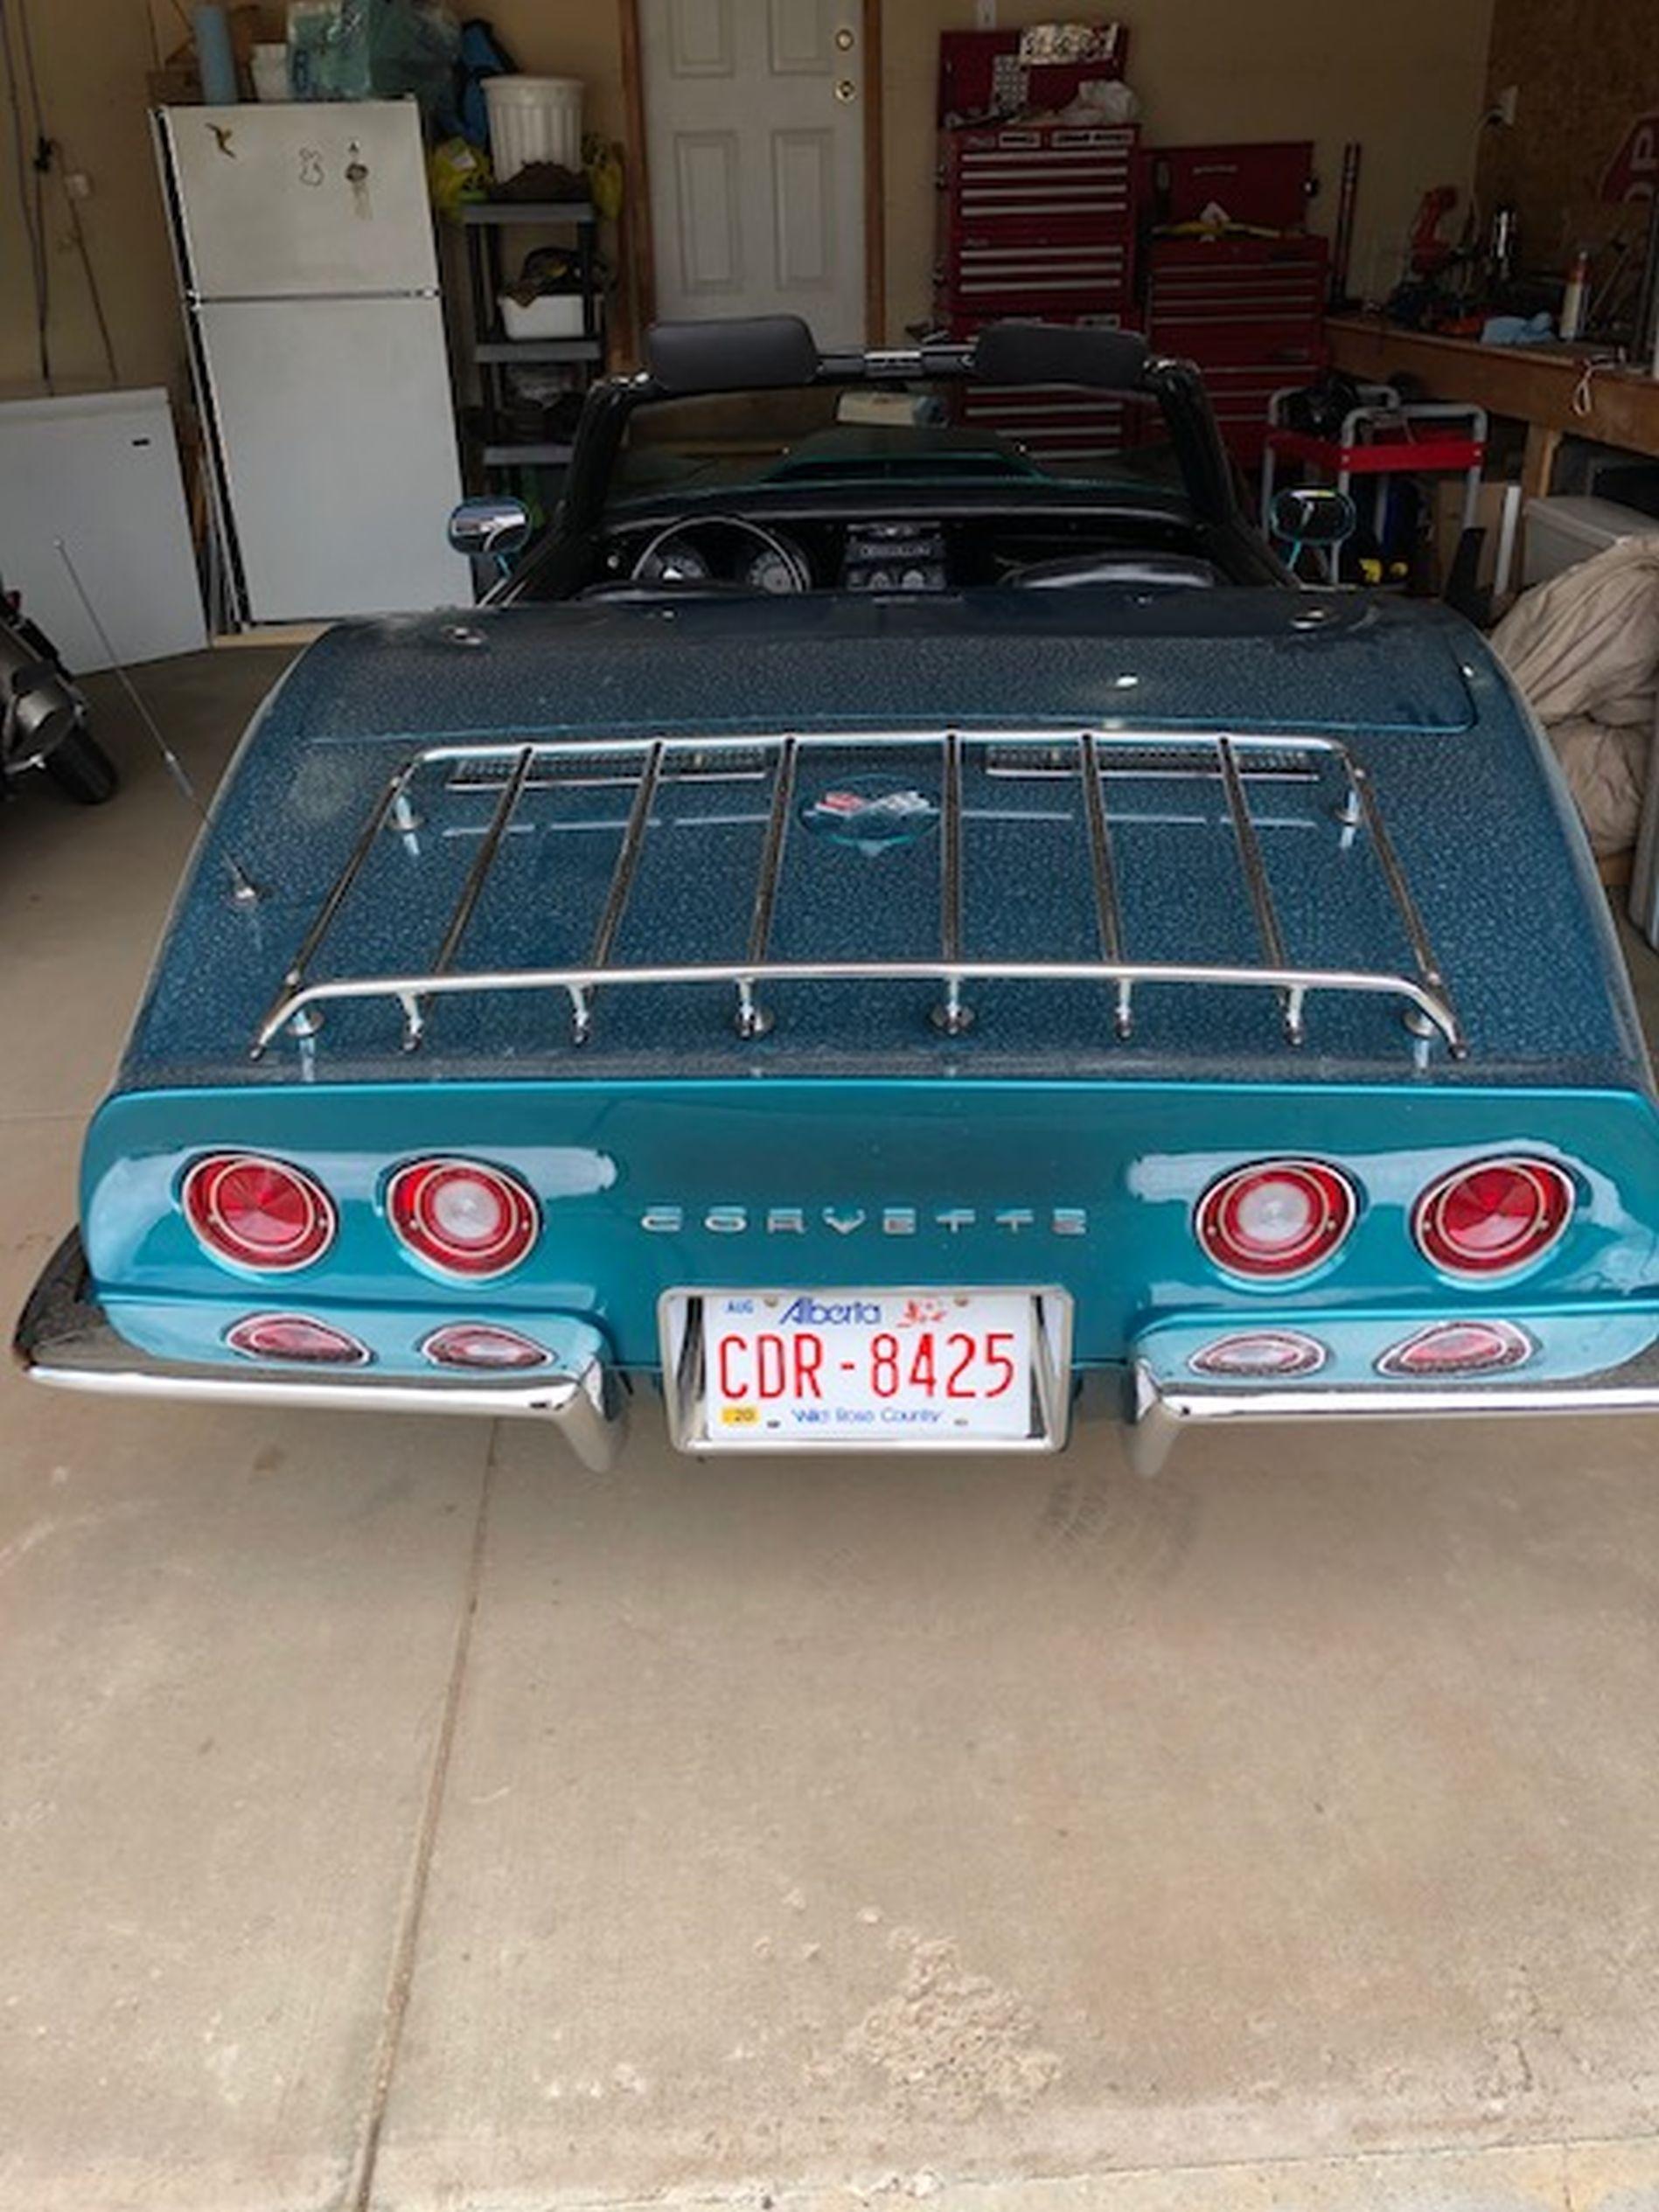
column 495, row 450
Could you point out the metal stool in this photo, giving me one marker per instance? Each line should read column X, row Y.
column 1380, row 438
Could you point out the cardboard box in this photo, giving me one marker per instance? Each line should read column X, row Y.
column 1448, row 527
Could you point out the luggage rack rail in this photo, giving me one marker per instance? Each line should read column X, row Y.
column 1089, row 760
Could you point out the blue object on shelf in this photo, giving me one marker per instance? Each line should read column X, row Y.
column 213, row 54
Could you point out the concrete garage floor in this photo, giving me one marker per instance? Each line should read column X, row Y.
column 393, row 1815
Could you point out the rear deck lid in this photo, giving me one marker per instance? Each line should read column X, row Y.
column 1200, row 660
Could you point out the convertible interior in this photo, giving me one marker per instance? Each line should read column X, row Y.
column 898, row 548
column 924, row 471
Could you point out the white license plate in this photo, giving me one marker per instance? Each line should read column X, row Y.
column 949, row 1369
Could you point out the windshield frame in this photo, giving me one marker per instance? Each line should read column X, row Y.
column 702, row 453
column 1176, row 385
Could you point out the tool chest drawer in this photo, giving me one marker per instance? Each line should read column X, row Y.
column 1054, row 424
column 1039, row 170
column 1249, row 311
column 986, row 271
column 1036, row 218
column 1258, row 279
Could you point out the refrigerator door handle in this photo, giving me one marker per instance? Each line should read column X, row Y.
column 298, row 299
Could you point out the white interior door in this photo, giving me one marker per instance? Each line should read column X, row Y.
column 754, row 115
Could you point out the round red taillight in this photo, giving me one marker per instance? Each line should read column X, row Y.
column 1279, row 1218
column 1262, row 1353
column 258, row 1212
column 1494, row 1216
column 297, row 1336
column 482, row 1344
column 1459, row 1347
column 461, row 1217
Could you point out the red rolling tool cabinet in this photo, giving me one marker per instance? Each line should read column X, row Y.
column 1036, row 218
column 1248, row 308
column 1039, row 219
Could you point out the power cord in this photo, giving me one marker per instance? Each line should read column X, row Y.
column 48, row 156
column 1583, row 399
column 42, row 166
column 28, row 207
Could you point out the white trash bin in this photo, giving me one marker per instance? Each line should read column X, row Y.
column 1566, row 529
column 534, row 119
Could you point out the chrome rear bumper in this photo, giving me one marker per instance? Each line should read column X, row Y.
column 1160, row 1410
column 64, row 1339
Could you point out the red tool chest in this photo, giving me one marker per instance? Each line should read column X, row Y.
column 1039, row 219
column 1264, row 181
column 1055, row 424
column 1250, row 311
column 1036, row 218
column 1050, row 220
column 983, row 80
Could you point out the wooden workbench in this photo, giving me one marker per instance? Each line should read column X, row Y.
column 1529, row 384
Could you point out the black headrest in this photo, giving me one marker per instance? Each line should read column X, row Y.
column 743, row 353
column 1060, row 353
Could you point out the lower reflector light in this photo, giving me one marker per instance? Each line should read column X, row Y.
column 1263, row 1352
column 1459, row 1348
column 482, row 1344
column 297, row 1336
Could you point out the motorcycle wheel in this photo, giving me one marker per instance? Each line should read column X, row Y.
column 82, row 770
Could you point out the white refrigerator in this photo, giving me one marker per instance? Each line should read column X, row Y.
column 310, row 275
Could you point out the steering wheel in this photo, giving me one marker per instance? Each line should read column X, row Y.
column 792, row 572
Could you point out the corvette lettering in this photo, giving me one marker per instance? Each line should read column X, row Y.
column 853, row 1221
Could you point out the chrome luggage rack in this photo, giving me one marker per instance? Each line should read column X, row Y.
column 1088, row 759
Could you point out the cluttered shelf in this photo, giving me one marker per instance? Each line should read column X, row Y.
column 498, row 347
column 536, row 334
column 470, row 212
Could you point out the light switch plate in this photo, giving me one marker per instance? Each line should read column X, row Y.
column 985, row 14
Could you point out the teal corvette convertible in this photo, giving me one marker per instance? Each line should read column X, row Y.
column 897, row 921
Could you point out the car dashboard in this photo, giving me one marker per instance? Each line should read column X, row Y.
column 895, row 554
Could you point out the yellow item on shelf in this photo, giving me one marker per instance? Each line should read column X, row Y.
column 457, row 172
column 603, row 159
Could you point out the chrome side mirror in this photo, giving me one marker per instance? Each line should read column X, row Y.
column 489, row 527
column 1312, row 515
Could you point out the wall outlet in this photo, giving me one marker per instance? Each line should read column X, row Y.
column 78, row 185
column 985, row 15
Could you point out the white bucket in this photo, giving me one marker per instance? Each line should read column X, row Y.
column 268, row 66
column 534, row 119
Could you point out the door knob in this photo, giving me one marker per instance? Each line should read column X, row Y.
column 844, row 40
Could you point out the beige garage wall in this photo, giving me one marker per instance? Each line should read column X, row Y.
column 94, row 57
column 1407, row 79
column 1407, row 82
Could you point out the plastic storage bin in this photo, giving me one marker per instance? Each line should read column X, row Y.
column 1562, row 531
column 534, row 119
column 553, row 314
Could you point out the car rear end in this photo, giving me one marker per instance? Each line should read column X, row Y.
column 906, row 1086
column 799, row 1266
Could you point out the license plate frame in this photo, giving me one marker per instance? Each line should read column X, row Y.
column 682, row 1314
